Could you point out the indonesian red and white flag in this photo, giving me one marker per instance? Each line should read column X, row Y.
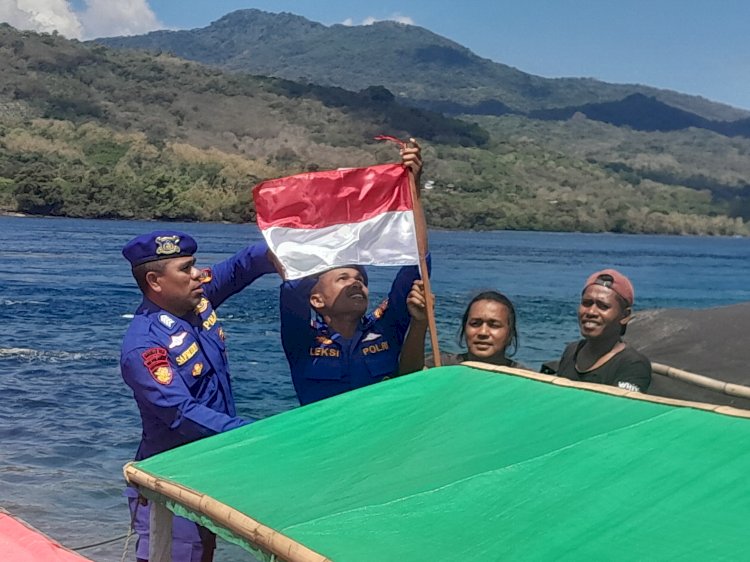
column 319, row 220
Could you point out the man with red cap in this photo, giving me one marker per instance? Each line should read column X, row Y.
column 601, row 356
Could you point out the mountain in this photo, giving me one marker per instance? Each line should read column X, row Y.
column 93, row 132
column 420, row 67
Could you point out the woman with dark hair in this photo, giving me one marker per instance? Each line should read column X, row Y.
column 488, row 328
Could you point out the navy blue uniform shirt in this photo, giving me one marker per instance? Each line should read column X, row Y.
column 322, row 362
column 177, row 366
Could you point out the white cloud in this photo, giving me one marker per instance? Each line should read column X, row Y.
column 42, row 15
column 103, row 18
column 98, row 19
column 369, row 20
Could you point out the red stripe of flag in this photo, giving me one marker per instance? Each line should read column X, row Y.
column 321, row 199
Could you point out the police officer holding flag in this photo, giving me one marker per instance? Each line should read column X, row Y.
column 174, row 359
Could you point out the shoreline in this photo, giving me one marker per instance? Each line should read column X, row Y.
column 16, row 214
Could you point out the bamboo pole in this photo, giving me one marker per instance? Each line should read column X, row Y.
column 265, row 538
column 612, row 390
column 724, row 387
column 420, row 225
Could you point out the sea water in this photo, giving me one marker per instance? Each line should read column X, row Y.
column 68, row 423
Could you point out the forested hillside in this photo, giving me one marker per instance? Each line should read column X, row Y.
column 87, row 131
column 418, row 66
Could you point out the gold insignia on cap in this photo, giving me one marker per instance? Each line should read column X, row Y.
column 167, row 245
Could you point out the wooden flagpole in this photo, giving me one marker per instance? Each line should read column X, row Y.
column 421, row 231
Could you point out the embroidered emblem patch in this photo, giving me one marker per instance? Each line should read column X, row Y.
column 163, row 375
column 380, row 310
column 157, row 363
column 178, row 340
column 371, row 336
column 183, row 357
column 197, row 369
column 322, row 340
column 167, row 320
column 167, row 245
column 202, row 306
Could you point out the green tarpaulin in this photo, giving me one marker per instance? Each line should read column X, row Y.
column 462, row 464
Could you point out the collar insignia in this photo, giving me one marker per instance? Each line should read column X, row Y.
column 167, row 320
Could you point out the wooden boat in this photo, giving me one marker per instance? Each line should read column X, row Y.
column 468, row 463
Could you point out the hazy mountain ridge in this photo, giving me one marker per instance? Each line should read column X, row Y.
column 88, row 131
column 417, row 65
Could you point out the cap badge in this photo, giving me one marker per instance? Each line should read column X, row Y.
column 167, row 245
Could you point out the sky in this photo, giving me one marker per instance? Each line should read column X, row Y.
column 699, row 47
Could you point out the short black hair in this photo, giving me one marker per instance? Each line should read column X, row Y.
column 140, row 271
column 495, row 296
column 624, row 304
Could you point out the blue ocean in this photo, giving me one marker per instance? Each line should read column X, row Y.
column 68, row 423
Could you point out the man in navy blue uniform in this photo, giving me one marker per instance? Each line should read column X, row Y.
column 174, row 359
column 345, row 348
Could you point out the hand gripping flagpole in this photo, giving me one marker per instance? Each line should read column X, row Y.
column 420, row 226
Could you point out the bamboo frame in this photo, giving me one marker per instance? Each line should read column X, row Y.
column 265, row 538
column 728, row 388
column 421, row 232
column 612, row 390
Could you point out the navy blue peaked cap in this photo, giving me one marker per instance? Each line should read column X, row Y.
column 159, row 245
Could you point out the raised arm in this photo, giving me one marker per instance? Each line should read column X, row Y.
column 234, row 274
column 294, row 307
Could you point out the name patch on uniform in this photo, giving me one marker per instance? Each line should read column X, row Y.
column 325, row 352
column 178, row 340
column 157, row 363
column 375, row 348
column 210, row 321
column 197, row 369
column 202, row 306
column 183, row 357
column 168, row 321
